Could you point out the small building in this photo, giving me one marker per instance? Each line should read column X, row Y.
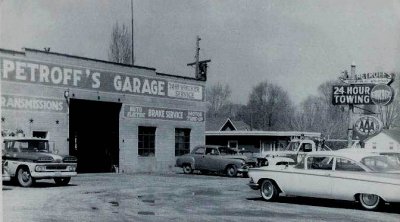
column 228, row 133
column 109, row 115
column 386, row 140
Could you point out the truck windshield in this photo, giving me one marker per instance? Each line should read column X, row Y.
column 292, row 146
column 31, row 145
column 380, row 164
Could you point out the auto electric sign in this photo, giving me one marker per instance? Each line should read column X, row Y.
column 362, row 94
column 367, row 126
column 44, row 73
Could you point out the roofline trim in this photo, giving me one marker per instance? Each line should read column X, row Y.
column 260, row 133
column 180, row 77
column 228, row 120
column 86, row 58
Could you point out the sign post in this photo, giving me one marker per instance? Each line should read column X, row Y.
column 363, row 89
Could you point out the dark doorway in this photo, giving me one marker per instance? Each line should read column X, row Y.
column 94, row 135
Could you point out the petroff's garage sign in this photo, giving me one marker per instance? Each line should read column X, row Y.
column 132, row 111
column 367, row 126
column 362, row 94
column 84, row 78
column 371, row 78
column 15, row 102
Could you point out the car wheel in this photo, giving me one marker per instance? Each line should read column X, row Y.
column 369, row 201
column 62, row 181
column 187, row 169
column 268, row 190
column 24, row 177
column 231, row 171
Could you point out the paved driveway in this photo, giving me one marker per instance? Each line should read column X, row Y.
column 172, row 197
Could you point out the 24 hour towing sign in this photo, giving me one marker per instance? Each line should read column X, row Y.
column 380, row 94
column 356, row 94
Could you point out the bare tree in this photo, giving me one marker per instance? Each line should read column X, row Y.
column 269, row 107
column 120, row 49
column 318, row 114
column 218, row 98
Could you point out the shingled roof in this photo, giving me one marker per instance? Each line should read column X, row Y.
column 223, row 124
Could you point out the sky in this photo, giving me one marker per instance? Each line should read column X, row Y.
column 294, row 44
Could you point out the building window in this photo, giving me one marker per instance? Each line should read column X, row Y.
column 182, row 141
column 39, row 134
column 146, row 142
column 233, row 144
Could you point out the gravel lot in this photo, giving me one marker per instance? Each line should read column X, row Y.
column 170, row 197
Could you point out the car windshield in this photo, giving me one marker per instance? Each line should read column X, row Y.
column 30, row 146
column 380, row 163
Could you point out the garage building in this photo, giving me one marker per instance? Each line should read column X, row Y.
column 109, row 115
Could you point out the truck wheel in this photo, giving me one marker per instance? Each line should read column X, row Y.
column 231, row 171
column 268, row 190
column 187, row 169
column 24, row 177
column 62, row 181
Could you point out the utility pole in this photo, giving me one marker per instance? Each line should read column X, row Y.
column 200, row 66
column 350, row 112
column 133, row 54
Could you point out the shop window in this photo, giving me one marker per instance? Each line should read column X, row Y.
column 233, row 144
column 39, row 134
column 146, row 141
column 182, row 141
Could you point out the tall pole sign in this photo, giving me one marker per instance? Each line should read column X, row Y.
column 363, row 89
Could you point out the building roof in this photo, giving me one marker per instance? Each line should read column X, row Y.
column 393, row 133
column 8, row 51
column 223, row 124
column 262, row 133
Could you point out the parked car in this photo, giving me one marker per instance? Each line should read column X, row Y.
column 30, row 159
column 214, row 159
column 368, row 178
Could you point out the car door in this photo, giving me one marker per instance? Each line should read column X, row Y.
column 198, row 156
column 315, row 180
column 344, row 184
column 211, row 159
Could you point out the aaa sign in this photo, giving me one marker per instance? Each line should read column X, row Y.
column 368, row 126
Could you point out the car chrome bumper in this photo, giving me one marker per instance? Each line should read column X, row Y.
column 243, row 169
column 253, row 186
column 45, row 175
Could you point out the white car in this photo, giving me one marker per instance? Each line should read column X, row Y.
column 368, row 178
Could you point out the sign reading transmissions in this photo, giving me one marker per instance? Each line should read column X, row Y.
column 132, row 111
column 15, row 102
column 92, row 79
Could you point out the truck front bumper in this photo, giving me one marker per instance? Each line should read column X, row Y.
column 49, row 175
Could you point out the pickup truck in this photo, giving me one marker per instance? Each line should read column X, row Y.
column 29, row 159
column 292, row 154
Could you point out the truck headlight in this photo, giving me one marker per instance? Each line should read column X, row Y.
column 40, row 168
column 71, row 168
